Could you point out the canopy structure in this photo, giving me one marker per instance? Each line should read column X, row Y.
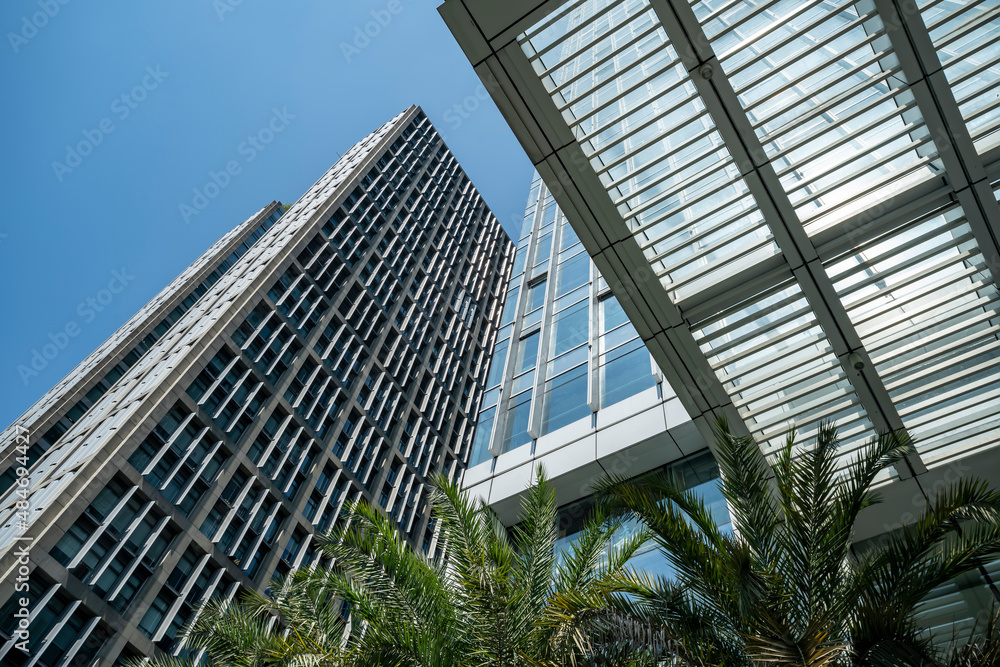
column 795, row 201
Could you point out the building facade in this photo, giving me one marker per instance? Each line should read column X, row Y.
column 332, row 351
column 571, row 387
column 796, row 205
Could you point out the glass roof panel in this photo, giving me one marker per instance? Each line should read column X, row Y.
column 825, row 95
column 928, row 312
column 780, row 370
column 967, row 38
column 625, row 94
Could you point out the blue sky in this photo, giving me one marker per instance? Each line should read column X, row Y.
column 168, row 93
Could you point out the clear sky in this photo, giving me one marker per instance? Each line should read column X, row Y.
column 154, row 96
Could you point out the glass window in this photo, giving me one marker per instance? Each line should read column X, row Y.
column 480, row 446
column 516, row 429
column 626, row 372
column 573, row 273
column 565, row 400
column 536, row 296
column 519, row 260
column 544, row 250
column 510, row 306
column 527, row 354
column 498, row 363
column 568, row 238
column 612, row 315
column 570, row 328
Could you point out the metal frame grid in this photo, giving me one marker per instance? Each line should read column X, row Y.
column 795, row 201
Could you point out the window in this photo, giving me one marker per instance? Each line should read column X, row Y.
column 565, row 399
column 572, row 273
column 516, row 429
column 570, row 328
column 625, row 372
column 480, row 446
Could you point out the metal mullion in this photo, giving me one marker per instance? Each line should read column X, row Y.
column 926, row 305
column 708, row 268
column 678, row 189
column 170, row 441
column 844, row 74
column 808, row 137
column 607, row 166
column 110, row 555
column 823, row 108
column 57, row 627
column 153, row 535
column 101, row 528
column 899, row 152
column 187, row 455
column 757, row 333
column 615, row 51
column 799, row 33
column 980, row 303
column 642, row 82
column 766, row 361
column 704, row 231
column 765, row 392
column 911, row 262
column 81, row 638
column 882, row 182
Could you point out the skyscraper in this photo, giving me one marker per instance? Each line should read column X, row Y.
column 332, row 351
column 796, row 204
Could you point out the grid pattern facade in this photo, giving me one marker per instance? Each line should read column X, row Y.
column 343, row 357
column 565, row 349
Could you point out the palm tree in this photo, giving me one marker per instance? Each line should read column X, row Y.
column 500, row 597
column 296, row 624
column 787, row 588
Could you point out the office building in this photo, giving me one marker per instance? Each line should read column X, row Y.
column 332, row 351
column 794, row 203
